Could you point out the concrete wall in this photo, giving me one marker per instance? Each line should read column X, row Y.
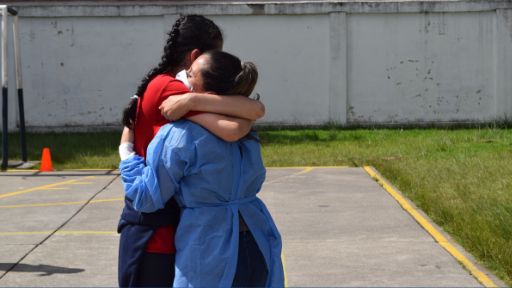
column 292, row 54
column 80, row 71
column 421, row 67
column 350, row 63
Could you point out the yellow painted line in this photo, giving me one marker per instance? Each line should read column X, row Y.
column 57, row 188
column 284, row 269
column 59, row 233
column 115, row 170
column 106, row 170
column 304, row 167
column 107, row 200
column 81, row 183
column 57, row 171
column 479, row 275
column 306, row 170
column 25, row 233
column 59, row 203
column 86, row 233
column 38, row 188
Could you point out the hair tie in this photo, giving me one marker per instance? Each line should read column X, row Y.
column 134, row 97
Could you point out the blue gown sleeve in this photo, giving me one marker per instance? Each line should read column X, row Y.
column 150, row 185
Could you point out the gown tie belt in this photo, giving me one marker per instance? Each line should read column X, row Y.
column 223, row 204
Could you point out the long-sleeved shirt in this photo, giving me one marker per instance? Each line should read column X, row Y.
column 213, row 181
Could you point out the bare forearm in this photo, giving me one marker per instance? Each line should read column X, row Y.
column 127, row 135
column 227, row 128
column 236, row 106
column 126, row 144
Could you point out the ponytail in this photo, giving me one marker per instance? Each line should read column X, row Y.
column 225, row 74
column 245, row 80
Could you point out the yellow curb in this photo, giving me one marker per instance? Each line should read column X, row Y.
column 479, row 275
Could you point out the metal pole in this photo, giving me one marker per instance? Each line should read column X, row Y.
column 19, row 84
column 5, row 132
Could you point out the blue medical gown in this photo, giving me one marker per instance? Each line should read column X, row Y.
column 213, row 181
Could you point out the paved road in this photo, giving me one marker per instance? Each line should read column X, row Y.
column 339, row 227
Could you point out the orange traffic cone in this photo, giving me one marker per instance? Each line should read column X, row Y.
column 46, row 161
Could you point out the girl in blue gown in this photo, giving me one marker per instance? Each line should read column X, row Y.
column 226, row 236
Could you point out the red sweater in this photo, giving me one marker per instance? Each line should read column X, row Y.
column 148, row 122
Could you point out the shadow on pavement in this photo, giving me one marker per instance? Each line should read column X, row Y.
column 45, row 270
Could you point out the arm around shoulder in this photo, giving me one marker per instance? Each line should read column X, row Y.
column 235, row 106
column 227, row 128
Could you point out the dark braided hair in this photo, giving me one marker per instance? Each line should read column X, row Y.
column 189, row 32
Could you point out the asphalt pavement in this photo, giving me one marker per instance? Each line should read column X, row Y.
column 339, row 228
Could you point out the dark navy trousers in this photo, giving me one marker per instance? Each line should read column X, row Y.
column 136, row 267
column 251, row 270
